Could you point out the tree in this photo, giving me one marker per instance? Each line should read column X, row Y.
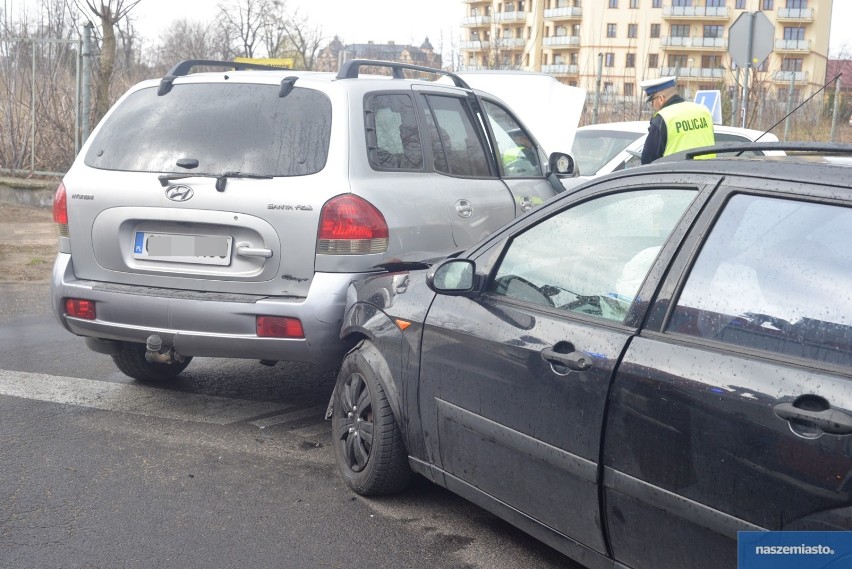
column 109, row 13
column 245, row 20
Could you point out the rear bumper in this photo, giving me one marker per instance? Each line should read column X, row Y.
column 208, row 324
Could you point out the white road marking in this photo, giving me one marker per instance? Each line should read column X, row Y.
column 130, row 398
column 318, row 412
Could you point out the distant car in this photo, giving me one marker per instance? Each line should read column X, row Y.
column 634, row 372
column 223, row 213
column 609, row 147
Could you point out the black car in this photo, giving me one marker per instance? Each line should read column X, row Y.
column 632, row 373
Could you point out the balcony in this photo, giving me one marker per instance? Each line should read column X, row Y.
column 567, row 13
column 786, row 76
column 561, row 69
column 795, row 14
column 696, row 13
column 694, row 72
column 561, row 41
column 510, row 43
column 792, row 45
column 476, row 21
column 510, row 17
column 475, row 45
column 698, row 43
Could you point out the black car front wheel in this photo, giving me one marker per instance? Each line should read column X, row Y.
column 368, row 445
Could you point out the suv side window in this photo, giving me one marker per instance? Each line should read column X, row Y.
column 593, row 257
column 774, row 275
column 393, row 139
column 456, row 145
column 517, row 152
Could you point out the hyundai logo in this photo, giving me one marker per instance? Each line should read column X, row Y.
column 179, row 193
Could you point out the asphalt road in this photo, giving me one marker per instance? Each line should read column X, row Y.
column 230, row 466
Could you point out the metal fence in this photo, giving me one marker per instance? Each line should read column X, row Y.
column 43, row 91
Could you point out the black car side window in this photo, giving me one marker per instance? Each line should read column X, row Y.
column 593, row 257
column 775, row 275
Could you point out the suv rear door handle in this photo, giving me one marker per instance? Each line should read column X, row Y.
column 464, row 208
column 830, row 420
column 244, row 249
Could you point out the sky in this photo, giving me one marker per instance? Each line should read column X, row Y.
column 401, row 21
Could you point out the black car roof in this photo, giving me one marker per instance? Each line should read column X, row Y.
column 833, row 161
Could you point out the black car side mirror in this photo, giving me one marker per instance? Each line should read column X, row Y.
column 454, row 277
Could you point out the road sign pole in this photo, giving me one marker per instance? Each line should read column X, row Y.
column 749, row 49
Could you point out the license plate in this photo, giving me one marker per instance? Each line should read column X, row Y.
column 177, row 248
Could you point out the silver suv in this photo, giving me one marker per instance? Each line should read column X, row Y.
column 225, row 213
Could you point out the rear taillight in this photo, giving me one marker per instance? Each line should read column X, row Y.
column 80, row 308
column 350, row 225
column 60, row 210
column 279, row 327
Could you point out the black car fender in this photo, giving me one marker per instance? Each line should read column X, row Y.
column 371, row 354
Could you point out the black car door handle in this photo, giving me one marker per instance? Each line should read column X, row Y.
column 829, row 420
column 574, row 360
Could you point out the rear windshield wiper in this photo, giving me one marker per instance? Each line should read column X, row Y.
column 221, row 179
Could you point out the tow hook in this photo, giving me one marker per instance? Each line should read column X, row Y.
column 156, row 354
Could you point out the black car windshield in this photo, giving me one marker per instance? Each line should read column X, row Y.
column 234, row 127
column 592, row 149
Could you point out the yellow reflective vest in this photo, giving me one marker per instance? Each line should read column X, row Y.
column 688, row 125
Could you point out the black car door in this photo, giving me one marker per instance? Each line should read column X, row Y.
column 733, row 411
column 514, row 382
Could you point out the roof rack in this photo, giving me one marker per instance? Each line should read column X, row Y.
column 809, row 147
column 351, row 68
column 184, row 67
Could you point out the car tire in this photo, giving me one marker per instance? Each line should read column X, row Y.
column 368, row 444
column 131, row 361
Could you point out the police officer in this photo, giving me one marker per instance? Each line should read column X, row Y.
column 677, row 124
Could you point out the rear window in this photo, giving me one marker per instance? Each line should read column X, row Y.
column 226, row 127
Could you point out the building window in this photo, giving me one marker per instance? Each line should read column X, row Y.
column 681, row 2
column 632, row 30
column 741, row 4
column 657, row 4
column 653, row 60
column 679, row 31
column 609, row 59
column 634, row 4
column 711, row 61
column 794, row 33
column 655, row 30
column 613, row 3
column 610, row 30
column 797, row 4
column 630, row 60
column 677, row 61
column 714, row 31
column 768, row 4
column 628, row 89
column 715, row 3
column 791, row 64
column 607, row 87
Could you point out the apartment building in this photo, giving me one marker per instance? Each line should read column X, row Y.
column 626, row 41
